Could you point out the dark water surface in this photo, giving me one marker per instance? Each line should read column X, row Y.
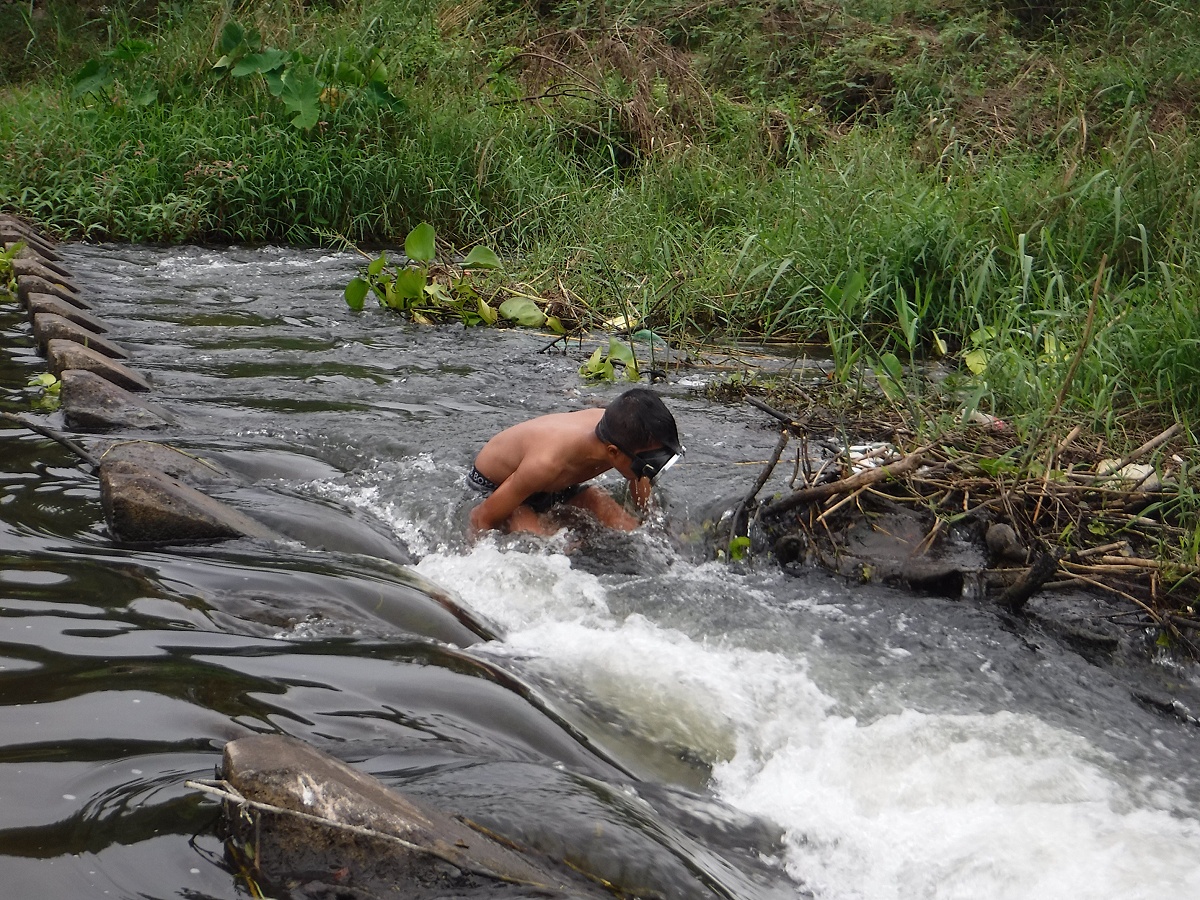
column 671, row 722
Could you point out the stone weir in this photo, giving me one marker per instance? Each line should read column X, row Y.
column 311, row 814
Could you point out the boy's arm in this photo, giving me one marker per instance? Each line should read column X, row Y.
column 498, row 507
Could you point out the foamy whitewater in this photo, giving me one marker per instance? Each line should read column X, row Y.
column 909, row 805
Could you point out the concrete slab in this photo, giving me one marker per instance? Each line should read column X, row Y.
column 64, row 355
column 92, row 403
column 144, row 506
column 354, row 832
column 48, row 327
column 47, row 303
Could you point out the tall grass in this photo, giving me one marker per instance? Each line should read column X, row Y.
column 889, row 176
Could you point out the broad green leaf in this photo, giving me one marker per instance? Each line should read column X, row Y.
column 144, row 97
column 523, row 311
column 739, row 548
column 301, row 95
column 259, row 63
column 419, row 245
column 356, row 293
column 377, row 93
column 489, row 315
column 976, row 361
column 274, row 81
column 376, row 265
column 410, row 284
column 232, row 37
column 345, row 73
column 890, row 388
column 481, row 257
column 621, row 351
column 130, row 50
column 93, row 78
column 554, row 323
column 46, row 379
column 377, row 72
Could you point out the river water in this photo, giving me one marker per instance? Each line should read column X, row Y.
column 678, row 724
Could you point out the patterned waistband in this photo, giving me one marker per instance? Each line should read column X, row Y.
column 480, row 482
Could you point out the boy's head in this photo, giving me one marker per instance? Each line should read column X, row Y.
column 637, row 421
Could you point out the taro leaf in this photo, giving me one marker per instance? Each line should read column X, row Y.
column 377, row 72
column 232, row 37
column 377, row 93
column 419, row 245
column 410, row 284
column 523, row 311
column 489, row 315
column 260, row 63
column 345, row 73
column 144, row 96
column 481, row 257
column 554, row 323
column 376, row 265
column 129, row 50
column 356, row 292
column 93, row 78
column 302, row 96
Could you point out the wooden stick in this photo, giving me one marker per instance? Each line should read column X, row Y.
column 739, row 526
column 1043, row 568
column 847, row 485
column 47, row 431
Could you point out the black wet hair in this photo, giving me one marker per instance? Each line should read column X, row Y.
column 637, row 419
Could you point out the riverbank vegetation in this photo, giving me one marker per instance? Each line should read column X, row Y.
column 1006, row 189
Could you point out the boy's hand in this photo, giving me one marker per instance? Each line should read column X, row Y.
column 641, row 490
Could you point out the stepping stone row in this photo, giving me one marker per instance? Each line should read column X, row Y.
column 144, row 501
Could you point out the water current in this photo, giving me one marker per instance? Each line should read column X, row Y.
column 701, row 729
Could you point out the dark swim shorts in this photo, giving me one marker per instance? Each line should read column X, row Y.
column 539, row 502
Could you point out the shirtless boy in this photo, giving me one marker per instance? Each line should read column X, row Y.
column 525, row 470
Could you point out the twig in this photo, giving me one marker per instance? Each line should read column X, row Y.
column 47, row 431
column 738, row 527
column 846, row 485
column 782, row 417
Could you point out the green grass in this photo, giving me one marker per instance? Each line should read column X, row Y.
column 885, row 175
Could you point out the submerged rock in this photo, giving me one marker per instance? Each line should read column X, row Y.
column 320, row 828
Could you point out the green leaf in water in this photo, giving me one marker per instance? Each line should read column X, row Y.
column 356, row 293
column 419, row 245
column 523, row 311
